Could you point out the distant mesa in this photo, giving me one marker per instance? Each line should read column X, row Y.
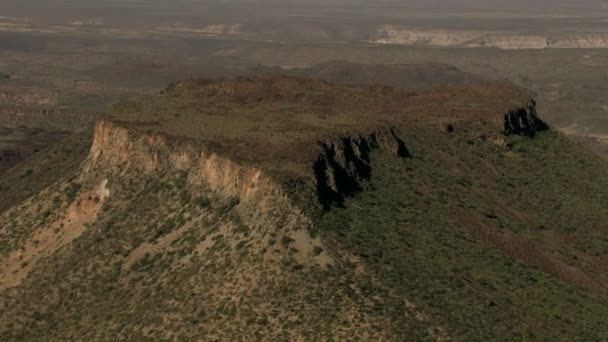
column 413, row 76
column 390, row 34
column 210, row 30
column 88, row 22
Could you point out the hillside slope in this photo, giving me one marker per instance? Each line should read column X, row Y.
column 277, row 208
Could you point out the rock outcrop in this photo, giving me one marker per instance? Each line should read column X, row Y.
column 523, row 121
column 344, row 164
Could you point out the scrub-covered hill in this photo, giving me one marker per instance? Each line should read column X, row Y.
column 280, row 208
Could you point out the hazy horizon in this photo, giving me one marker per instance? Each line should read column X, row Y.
column 42, row 8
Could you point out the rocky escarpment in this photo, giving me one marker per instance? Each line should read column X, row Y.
column 297, row 156
column 523, row 121
column 336, row 169
column 343, row 165
column 119, row 151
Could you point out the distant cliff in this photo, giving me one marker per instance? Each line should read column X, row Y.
column 390, row 34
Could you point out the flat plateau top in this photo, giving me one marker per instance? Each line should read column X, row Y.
column 271, row 117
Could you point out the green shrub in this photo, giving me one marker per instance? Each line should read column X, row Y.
column 71, row 191
column 287, row 240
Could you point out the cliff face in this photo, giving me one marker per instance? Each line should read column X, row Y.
column 117, row 151
column 344, row 165
column 523, row 121
column 338, row 170
column 390, row 34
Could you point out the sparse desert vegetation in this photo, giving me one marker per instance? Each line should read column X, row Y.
column 477, row 223
column 235, row 171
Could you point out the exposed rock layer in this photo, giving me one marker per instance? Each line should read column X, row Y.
column 390, row 34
